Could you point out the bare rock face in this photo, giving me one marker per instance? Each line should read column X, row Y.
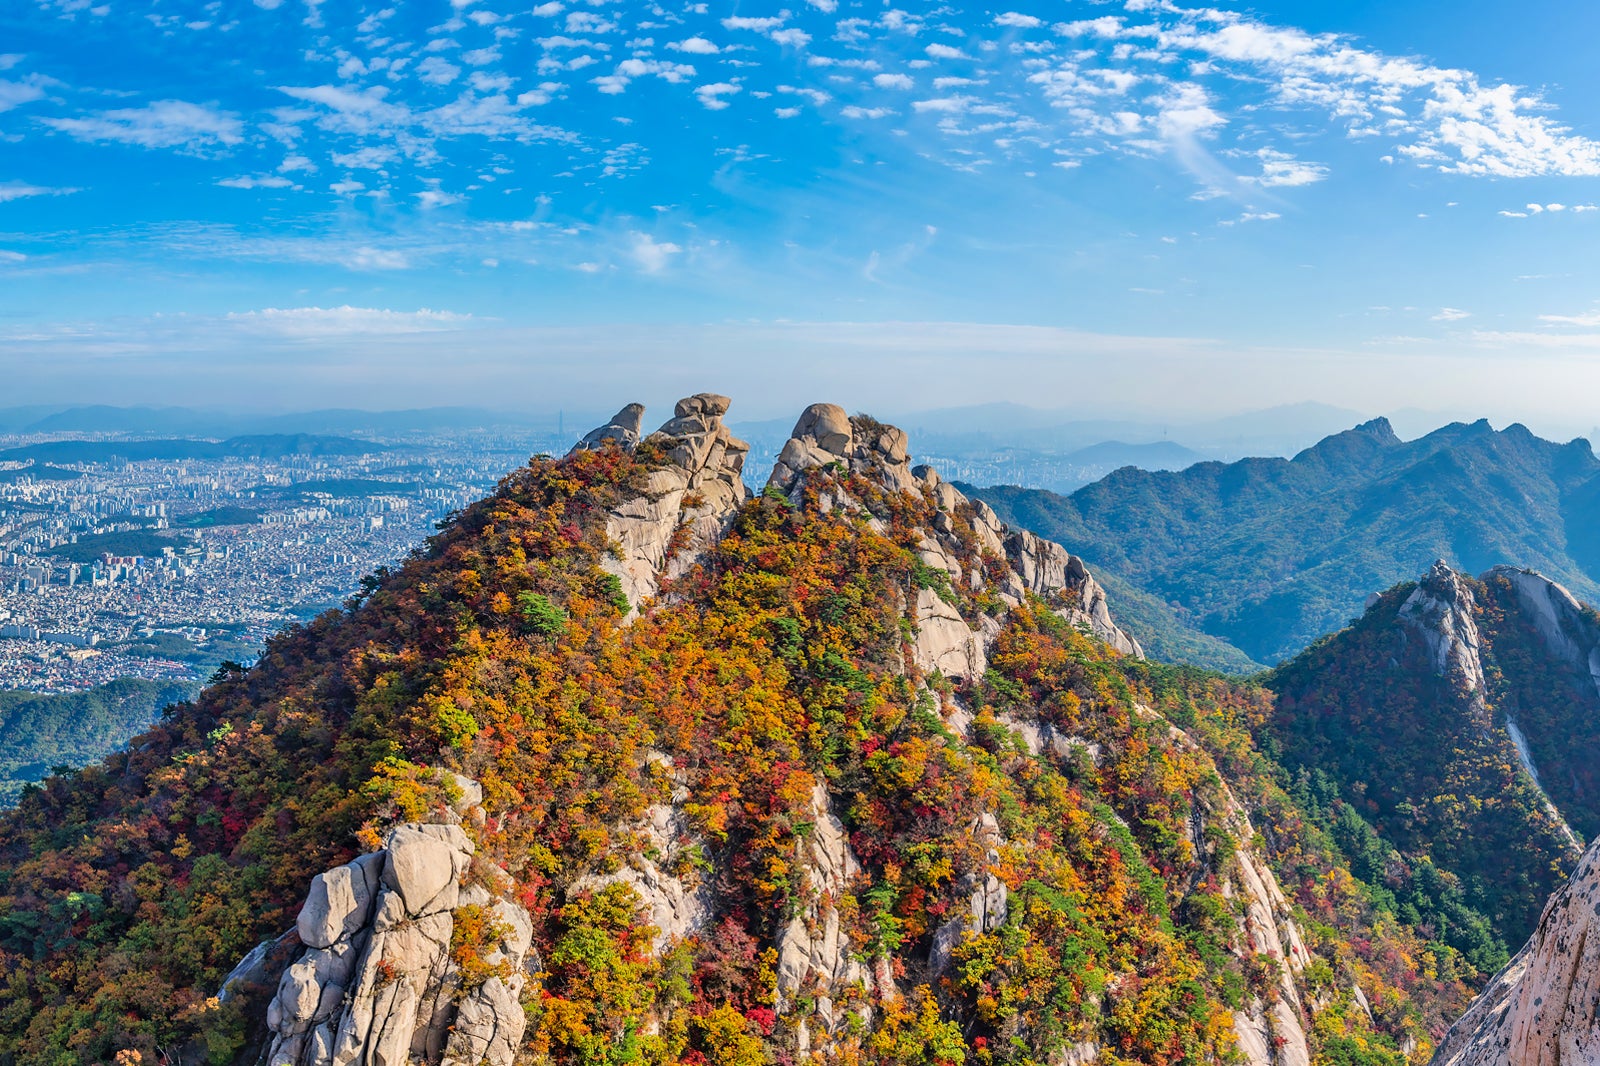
column 1541, row 1009
column 1440, row 612
column 1565, row 629
column 813, row 951
column 698, row 492
column 944, row 641
column 987, row 897
column 1043, row 566
column 623, row 429
column 375, row 983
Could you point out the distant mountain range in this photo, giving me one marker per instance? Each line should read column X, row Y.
column 191, row 422
column 1249, row 562
column 269, row 446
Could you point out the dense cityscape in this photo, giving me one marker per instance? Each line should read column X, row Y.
column 162, row 567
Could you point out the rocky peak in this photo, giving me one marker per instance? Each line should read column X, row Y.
column 1540, row 1010
column 1441, row 612
column 1567, row 631
column 698, row 490
column 826, row 440
column 825, row 435
column 623, row 429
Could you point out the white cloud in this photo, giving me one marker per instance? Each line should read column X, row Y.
column 651, row 256
column 1589, row 320
column 944, row 51
column 436, row 70
column 617, row 81
column 695, row 46
column 163, row 124
column 428, row 199
column 311, row 322
column 865, row 112
column 16, row 93
column 19, row 190
column 1451, row 314
column 892, row 81
column 267, row 181
column 372, row 157
column 1017, row 19
column 786, row 112
column 710, row 96
column 759, row 25
column 791, row 38
column 588, row 22
column 1281, row 169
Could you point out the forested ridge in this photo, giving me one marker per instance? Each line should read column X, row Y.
column 1122, row 811
column 1267, row 555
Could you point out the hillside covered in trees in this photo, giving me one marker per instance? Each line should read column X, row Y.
column 1238, row 564
column 1460, row 717
column 628, row 765
column 39, row 732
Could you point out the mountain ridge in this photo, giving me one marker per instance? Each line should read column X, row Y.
column 1268, row 554
column 845, row 767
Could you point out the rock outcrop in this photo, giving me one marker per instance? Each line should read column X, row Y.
column 623, row 430
column 1541, row 1010
column 677, row 907
column 1441, row 612
column 684, row 506
column 827, row 440
column 814, row 953
column 376, row 982
column 987, row 896
column 1269, row 1034
column 1567, row 631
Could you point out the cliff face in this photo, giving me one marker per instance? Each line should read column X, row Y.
column 631, row 766
column 1541, row 1009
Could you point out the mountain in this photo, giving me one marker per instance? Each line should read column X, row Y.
column 1157, row 455
column 1460, row 718
column 1268, row 554
column 39, row 731
column 270, row 446
column 629, row 764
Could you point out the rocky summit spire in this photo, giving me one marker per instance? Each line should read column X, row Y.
column 623, row 429
column 1442, row 612
column 825, row 436
column 827, row 443
column 700, row 488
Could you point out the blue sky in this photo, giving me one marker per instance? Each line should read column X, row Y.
column 1130, row 206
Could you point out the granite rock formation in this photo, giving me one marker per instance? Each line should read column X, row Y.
column 1541, row 1009
column 375, row 983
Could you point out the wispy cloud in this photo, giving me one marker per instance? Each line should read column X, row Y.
column 19, row 190
column 163, row 124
